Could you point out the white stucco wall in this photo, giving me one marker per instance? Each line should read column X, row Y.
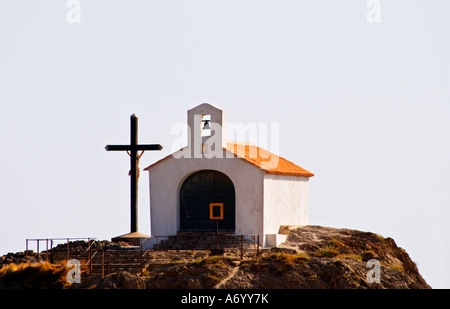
column 285, row 201
column 167, row 176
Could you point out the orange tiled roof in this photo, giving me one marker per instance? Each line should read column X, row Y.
column 261, row 158
column 266, row 160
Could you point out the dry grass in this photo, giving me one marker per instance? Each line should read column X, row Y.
column 215, row 279
column 288, row 258
column 16, row 268
column 280, row 262
column 327, row 252
column 217, row 261
column 397, row 267
column 34, row 275
column 336, row 243
column 333, row 249
column 350, row 256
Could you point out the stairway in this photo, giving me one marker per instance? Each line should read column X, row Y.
column 186, row 245
column 132, row 260
column 205, row 240
column 106, row 262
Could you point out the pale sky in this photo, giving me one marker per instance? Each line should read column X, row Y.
column 364, row 106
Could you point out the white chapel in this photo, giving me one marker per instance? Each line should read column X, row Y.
column 246, row 189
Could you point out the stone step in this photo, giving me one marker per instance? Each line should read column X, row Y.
column 205, row 240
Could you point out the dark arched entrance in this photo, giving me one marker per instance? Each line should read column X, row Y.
column 197, row 192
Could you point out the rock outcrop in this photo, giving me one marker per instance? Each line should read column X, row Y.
column 312, row 257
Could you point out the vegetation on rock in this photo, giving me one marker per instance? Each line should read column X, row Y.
column 313, row 257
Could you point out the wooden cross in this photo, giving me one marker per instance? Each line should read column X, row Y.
column 132, row 150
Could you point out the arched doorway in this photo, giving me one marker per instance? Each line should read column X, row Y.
column 197, row 192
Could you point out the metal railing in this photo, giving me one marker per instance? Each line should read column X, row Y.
column 51, row 241
column 254, row 239
column 137, row 258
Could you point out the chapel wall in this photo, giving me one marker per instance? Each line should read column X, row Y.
column 285, row 201
column 167, row 177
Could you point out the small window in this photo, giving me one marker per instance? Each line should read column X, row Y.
column 206, row 125
column 216, row 211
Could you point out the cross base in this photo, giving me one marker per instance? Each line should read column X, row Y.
column 134, row 238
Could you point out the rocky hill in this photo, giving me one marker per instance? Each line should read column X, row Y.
column 313, row 257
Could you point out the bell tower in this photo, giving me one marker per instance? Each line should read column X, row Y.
column 206, row 131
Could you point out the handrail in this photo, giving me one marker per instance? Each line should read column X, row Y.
column 145, row 252
column 38, row 240
column 90, row 245
column 92, row 256
column 70, row 238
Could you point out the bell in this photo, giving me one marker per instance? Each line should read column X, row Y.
column 206, row 125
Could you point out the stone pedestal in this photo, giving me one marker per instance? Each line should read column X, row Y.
column 134, row 238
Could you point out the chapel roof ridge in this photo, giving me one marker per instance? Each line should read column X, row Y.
column 262, row 159
column 204, row 104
